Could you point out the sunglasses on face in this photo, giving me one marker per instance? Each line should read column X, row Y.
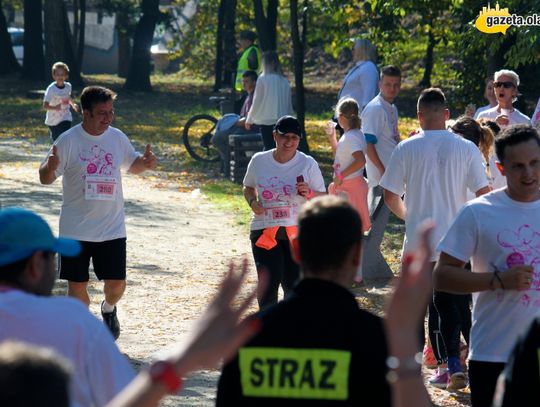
column 506, row 85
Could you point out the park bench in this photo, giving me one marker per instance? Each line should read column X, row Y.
column 241, row 148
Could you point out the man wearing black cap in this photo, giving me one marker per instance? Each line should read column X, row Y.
column 28, row 313
column 316, row 347
column 277, row 183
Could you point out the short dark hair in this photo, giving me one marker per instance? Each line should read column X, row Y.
column 11, row 273
column 33, row 376
column 328, row 228
column 251, row 75
column 390, row 70
column 512, row 135
column 431, row 99
column 92, row 95
column 248, row 35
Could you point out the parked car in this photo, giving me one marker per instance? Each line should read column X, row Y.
column 17, row 36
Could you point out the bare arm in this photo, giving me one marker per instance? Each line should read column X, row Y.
column 47, row 168
column 450, row 276
column 395, row 204
column 250, row 194
column 358, row 163
column 374, row 158
column 217, row 335
column 147, row 161
column 48, row 106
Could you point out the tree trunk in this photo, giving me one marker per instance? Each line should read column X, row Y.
column 298, row 58
column 124, row 42
column 229, row 44
column 8, row 62
column 79, row 18
column 266, row 24
column 140, row 66
column 33, row 58
column 428, row 60
column 218, row 67
column 58, row 44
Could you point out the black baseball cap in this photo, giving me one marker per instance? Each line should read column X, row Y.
column 288, row 124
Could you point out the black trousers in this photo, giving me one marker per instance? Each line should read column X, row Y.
column 267, row 132
column 483, row 379
column 455, row 318
column 279, row 265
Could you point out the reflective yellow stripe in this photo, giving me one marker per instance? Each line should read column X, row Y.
column 295, row 373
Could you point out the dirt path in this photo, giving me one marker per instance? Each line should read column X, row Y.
column 178, row 249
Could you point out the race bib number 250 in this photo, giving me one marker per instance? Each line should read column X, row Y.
column 295, row 373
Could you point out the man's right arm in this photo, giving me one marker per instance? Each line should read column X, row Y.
column 374, row 158
column 450, row 276
column 48, row 167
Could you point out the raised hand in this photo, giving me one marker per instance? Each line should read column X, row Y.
column 53, row 161
column 149, row 158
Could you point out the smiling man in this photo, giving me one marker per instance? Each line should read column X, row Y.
column 500, row 233
column 89, row 157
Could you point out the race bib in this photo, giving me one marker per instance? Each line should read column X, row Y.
column 275, row 213
column 100, row 188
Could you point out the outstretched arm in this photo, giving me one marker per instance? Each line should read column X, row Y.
column 217, row 335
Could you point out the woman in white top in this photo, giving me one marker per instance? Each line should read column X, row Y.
column 506, row 84
column 489, row 95
column 350, row 159
column 271, row 100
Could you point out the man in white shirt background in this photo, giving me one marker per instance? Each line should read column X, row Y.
column 433, row 169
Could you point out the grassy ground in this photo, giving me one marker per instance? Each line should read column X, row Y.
column 158, row 117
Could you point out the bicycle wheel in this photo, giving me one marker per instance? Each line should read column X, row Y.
column 198, row 131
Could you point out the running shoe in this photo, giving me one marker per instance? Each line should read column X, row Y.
column 440, row 379
column 111, row 320
column 428, row 358
column 456, row 381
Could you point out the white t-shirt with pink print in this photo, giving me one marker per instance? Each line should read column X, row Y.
column 58, row 96
column 93, row 202
column 275, row 184
column 497, row 233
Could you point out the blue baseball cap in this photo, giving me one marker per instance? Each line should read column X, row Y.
column 23, row 232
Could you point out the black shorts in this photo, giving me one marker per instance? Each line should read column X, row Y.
column 108, row 258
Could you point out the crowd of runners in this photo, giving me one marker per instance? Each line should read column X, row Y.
column 476, row 179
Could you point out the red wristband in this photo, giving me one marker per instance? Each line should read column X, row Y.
column 310, row 194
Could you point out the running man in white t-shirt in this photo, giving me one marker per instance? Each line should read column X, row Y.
column 434, row 169
column 500, row 233
column 89, row 158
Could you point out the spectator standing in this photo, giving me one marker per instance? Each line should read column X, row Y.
column 489, row 95
column 57, row 101
column 271, row 100
column 28, row 313
column 506, row 84
column 360, row 83
column 499, row 233
column 89, row 158
column 250, row 58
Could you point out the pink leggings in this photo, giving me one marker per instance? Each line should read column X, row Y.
column 356, row 190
